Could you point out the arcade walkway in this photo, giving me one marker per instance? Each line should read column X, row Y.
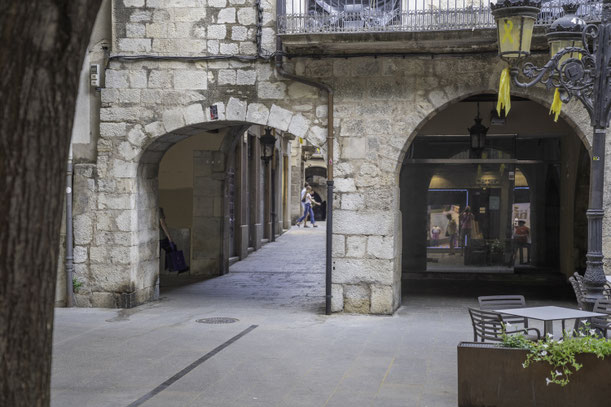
column 282, row 351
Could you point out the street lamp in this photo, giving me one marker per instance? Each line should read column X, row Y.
column 579, row 68
column 268, row 141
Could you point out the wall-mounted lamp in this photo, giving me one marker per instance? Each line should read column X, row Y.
column 268, row 141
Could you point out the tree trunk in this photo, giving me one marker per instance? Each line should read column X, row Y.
column 42, row 45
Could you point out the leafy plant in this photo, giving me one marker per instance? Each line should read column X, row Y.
column 560, row 354
column 76, row 284
column 496, row 247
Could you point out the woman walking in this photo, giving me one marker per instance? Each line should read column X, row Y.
column 308, row 202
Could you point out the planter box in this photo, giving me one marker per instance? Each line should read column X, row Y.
column 490, row 376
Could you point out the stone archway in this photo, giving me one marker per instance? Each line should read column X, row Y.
column 209, row 225
column 371, row 151
column 575, row 126
column 119, row 234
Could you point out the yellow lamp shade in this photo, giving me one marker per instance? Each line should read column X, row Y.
column 558, row 45
column 566, row 32
column 515, row 35
column 515, row 21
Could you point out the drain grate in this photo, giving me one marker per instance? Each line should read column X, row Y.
column 217, row 320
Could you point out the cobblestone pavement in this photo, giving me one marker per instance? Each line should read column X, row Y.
column 295, row 356
column 287, row 273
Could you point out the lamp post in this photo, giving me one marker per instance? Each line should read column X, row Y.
column 269, row 141
column 578, row 69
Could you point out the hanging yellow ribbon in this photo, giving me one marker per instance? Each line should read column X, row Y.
column 508, row 26
column 556, row 105
column 504, row 100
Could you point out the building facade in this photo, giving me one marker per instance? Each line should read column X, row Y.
column 212, row 74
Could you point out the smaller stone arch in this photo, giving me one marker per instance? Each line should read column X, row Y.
column 196, row 117
column 147, row 200
column 124, row 257
column 147, row 196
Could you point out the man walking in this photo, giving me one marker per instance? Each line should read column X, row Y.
column 302, row 200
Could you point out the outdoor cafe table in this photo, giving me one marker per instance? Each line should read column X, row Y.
column 549, row 314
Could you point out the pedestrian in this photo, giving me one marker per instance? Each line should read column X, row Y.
column 521, row 234
column 308, row 202
column 451, row 230
column 302, row 201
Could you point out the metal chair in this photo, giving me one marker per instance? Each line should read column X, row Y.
column 580, row 291
column 488, row 326
column 602, row 323
column 577, row 285
column 492, row 302
column 579, row 279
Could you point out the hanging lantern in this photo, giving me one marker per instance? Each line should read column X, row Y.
column 268, row 141
column 566, row 32
column 515, row 20
column 477, row 134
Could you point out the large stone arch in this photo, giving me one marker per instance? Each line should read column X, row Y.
column 372, row 142
column 573, row 114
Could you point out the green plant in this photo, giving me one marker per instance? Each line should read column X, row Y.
column 496, row 247
column 560, row 354
column 76, row 284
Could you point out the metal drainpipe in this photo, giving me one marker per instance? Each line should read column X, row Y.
column 329, row 90
column 272, row 170
column 69, row 236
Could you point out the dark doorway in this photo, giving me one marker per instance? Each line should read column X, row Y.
column 515, row 207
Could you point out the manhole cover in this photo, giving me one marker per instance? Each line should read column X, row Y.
column 217, row 320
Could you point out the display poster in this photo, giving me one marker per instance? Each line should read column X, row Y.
column 521, row 211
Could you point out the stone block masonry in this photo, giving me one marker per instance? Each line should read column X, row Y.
column 148, row 105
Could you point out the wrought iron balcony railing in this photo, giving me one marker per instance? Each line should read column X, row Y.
column 353, row 16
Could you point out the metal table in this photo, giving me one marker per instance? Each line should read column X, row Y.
column 549, row 314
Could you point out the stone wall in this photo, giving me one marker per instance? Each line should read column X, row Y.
column 149, row 104
column 380, row 104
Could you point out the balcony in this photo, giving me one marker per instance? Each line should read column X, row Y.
column 388, row 25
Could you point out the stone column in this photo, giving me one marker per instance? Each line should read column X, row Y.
column 286, row 170
column 241, row 191
column 267, row 195
column 278, row 187
column 254, row 184
column 296, row 178
column 83, row 211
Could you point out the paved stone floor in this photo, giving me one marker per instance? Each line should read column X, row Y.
column 296, row 356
